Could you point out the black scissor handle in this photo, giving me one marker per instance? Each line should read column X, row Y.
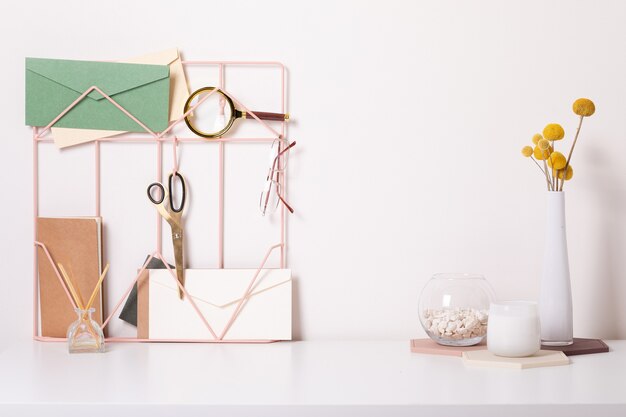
column 184, row 192
column 161, row 189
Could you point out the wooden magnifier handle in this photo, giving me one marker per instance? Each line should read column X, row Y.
column 279, row 117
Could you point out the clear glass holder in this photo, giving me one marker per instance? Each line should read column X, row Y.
column 454, row 308
column 85, row 335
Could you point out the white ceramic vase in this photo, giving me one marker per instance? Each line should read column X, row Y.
column 555, row 300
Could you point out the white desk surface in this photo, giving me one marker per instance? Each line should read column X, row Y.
column 297, row 379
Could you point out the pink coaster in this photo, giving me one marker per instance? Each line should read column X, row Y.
column 433, row 348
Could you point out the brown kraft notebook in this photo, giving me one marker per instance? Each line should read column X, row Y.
column 76, row 243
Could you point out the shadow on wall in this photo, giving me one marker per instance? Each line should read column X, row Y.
column 607, row 295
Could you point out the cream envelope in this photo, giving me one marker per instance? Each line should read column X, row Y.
column 266, row 315
column 179, row 92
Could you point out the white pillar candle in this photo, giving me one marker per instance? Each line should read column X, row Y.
column 513, row 329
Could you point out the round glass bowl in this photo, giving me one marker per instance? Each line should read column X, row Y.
column 454, row 308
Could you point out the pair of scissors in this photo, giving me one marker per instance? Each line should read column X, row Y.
column 174, row 216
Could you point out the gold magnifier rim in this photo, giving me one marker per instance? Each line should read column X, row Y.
column 197, row 131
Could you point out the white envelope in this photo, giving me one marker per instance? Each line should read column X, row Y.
column 179, row 92
column 266, row 315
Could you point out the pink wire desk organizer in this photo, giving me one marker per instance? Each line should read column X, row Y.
column 39, row 136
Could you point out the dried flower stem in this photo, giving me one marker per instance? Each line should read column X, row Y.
column 554, row 186
column 545, row 171
column 580, row 123
column 541, row 169
column 555, row 178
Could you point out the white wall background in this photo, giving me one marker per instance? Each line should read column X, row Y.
column 409, row 118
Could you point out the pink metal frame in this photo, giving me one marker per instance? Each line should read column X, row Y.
column 159, row 139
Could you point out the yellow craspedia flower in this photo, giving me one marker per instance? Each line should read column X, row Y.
column 553, row 131
column 536, row 138
column 568, row 174
column 557, row 160
column 527, row 151
column 584, row 107
column 541, row 154
column 543, row 144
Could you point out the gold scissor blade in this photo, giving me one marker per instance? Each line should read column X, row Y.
column 177, row 242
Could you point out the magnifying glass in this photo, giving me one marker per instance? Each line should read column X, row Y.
column 217, row 113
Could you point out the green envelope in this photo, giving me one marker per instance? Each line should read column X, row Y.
column 53, row 84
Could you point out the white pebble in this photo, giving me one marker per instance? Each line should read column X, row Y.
column 456, row 323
